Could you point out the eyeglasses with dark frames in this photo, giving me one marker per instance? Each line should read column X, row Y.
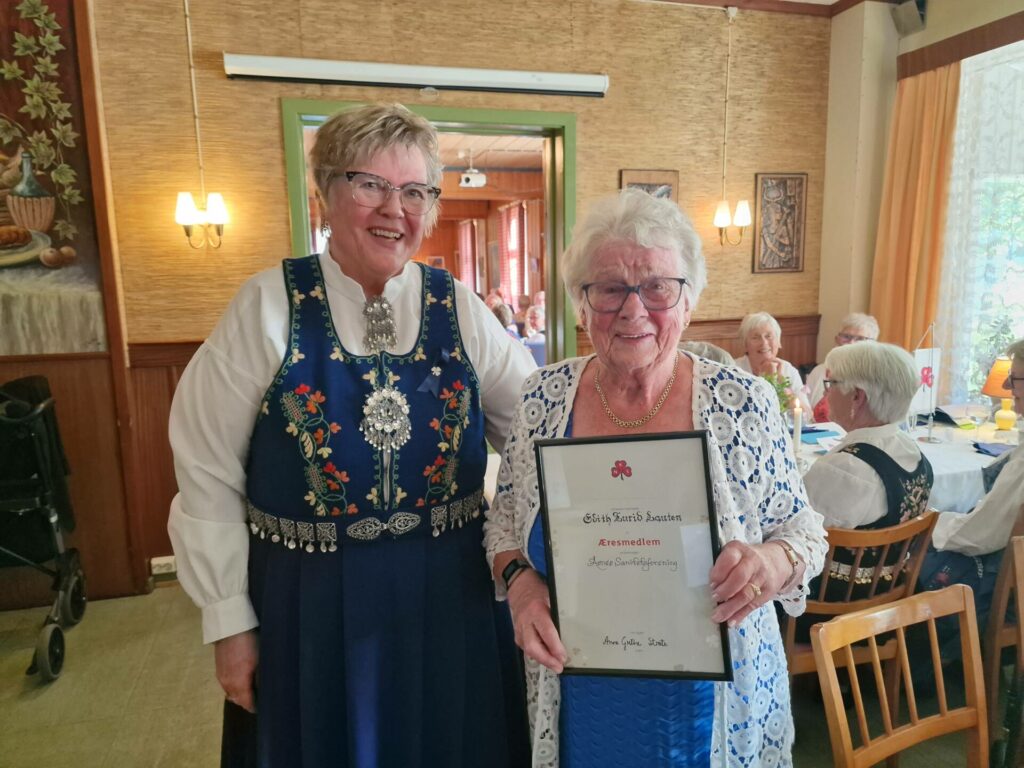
column 850, row 338
column 656, row 293
column 372, row 191
column 1013, row 380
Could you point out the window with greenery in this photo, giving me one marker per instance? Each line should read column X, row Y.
column 982, row 291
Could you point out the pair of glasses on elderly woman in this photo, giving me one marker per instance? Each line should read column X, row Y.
column 656, row 293
column 372, row 191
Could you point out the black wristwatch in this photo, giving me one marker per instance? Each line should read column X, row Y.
column 513, row 569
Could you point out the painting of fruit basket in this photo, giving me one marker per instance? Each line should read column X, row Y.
column 50, row 296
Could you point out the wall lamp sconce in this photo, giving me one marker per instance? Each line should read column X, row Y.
column 741, row 219
column 211, row 219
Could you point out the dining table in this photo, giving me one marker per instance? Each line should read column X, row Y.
column 956, row 463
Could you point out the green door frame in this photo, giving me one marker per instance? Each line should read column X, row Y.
column 298, row 114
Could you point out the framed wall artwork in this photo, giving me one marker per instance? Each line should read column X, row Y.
column 780, row 209
column 657, row 183
column 51, row 298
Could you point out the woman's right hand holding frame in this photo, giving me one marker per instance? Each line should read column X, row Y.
column 535, row 632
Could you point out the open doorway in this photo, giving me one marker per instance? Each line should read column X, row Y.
column 492, row 231
column 502, row 229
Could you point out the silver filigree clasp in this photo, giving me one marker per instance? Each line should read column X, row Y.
column 385, row 423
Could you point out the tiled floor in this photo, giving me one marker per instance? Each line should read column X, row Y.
column 138, row 691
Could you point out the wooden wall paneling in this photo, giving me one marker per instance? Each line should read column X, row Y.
column 155, row 371
column 110, row 270
column 83, row 391
column 443, row 241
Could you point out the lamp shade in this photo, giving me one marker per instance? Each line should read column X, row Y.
column 186, row 213
column 216, row 211
column 995, row 383
column 722, row 218
column 742, row 215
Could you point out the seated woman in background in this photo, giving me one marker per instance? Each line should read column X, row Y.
column 876, row 476
column 761, row 337
column 855, row 327
column 535, row 339
column 503, row 312
column 969, row 547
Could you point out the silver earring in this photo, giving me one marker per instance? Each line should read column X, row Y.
column 325, row 229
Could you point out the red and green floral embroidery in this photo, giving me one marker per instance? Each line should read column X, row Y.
column 303, row 407
column 441, row 473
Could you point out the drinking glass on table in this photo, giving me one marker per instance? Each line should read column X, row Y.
column 978, row 413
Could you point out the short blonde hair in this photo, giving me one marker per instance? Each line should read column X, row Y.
column 353, row 136
column 633, row 216
column 887, row 374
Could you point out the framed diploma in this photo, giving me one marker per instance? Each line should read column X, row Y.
column 631, row 535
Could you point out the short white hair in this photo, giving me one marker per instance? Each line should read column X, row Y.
column 864, row 323
column 633, row 216
column 756, row 320
column 887, row 374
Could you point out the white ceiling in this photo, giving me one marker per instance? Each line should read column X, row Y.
column 490, row 152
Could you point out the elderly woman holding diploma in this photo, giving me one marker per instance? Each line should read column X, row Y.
column 634, row 273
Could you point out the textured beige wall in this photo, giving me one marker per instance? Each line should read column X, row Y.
column 663, row 110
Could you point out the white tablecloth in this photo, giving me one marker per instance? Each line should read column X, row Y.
column 957, row 465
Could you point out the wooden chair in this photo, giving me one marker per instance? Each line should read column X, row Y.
column 836, row 638
column 878, row 584
column 1000, row 633
column 1008, row 742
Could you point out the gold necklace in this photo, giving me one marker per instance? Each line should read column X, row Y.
column 634, row 423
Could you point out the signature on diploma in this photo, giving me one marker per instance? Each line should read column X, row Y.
column 635, row 642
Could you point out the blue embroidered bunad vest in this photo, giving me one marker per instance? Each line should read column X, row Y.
column 313, row 480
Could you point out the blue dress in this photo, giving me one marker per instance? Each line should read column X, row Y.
column 617, row 721
column 381, row 644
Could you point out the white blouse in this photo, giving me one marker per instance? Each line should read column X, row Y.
column 987, row 527
column 845, row 489
column 218, row 397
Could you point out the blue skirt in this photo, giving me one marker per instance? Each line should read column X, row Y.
column 386, row 654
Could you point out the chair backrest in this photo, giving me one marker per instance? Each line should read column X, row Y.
column 1000, row 633
column 837, row 637
column 1013, row 749
column 868, row 567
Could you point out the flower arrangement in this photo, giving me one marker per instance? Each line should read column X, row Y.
column 782, row 387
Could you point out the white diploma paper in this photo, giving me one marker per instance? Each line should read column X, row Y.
column 631, row 537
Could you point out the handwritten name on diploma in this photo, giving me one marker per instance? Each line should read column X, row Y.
column 627, row 644
column 637, row 561
column 629, row 516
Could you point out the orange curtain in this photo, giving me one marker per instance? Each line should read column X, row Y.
column 912, row 216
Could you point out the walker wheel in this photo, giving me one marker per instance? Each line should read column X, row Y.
column 49, row 658
column 71, row 601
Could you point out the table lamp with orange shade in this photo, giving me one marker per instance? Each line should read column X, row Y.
column 995, row 386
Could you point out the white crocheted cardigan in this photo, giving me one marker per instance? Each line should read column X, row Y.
column 759, row 496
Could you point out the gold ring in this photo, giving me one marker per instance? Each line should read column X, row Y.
column 755, row 589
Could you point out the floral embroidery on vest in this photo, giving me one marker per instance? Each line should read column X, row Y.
column 441, row 484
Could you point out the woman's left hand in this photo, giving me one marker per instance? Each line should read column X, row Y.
column 745, row 577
